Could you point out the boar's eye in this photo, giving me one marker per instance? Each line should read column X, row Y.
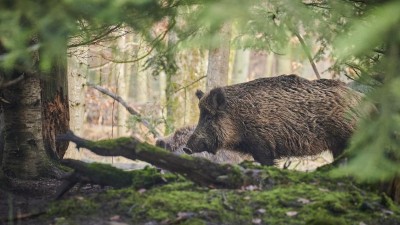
column 205, row 115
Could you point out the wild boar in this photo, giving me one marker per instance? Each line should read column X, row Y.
column 276, row 117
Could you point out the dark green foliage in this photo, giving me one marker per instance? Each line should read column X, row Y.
column 27, row 26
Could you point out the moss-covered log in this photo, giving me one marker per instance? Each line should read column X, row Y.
column 198, row 170
column 107, row 175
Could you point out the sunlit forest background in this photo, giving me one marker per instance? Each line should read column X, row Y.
column 121, row 64
column 155, row 54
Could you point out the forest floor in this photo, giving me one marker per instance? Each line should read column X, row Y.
column 283, row 197
column 23, row 201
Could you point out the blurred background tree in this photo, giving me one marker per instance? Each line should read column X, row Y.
column 340, row 39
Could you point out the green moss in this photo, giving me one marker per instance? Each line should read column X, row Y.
column 287, row 198
column 111, row 143
column 72, row 207
column 150, row 176
column 165, row 205
column 325, row 219
column 193, row 221
column 111, row 174
column 388, row 203
column 144, row 178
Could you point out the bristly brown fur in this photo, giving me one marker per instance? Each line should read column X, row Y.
column 277, row 117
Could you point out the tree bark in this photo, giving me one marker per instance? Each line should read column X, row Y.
column 36, row 111
column 241, row 66
column 24, row 154
column 218, row 60
column 77, row 72
column 258, row 64
column 122, row 85
column 55, row 107
column 1, row 136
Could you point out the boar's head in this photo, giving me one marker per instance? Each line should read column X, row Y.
column 176, row 141
column 163, row 144
column 215, row 128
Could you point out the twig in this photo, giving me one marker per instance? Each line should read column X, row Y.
column 12, row 82
column 131, row 110
column 153, row 44
column 184, row 87
column 308, row 53
column 95, row 39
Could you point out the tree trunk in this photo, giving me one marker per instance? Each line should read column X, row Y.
column 24, row 152
column 122, row 86
column 1, row 136
column 218, row 60
column 77, row 72
column 170, row 98
column 55, row 109
column 37, row 111
column 258, row 64
column 241, row 66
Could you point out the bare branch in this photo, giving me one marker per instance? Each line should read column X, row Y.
column 130, row 109
column 128, row 61
column 97, row 38
column 186, row 86
column 12, row 82
column 153, row 45
column 308, row 53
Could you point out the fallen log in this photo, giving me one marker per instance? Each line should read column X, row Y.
column 107, row 175
column 198, row 170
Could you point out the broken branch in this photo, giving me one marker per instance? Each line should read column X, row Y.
column 198, row 170
column 130, row 109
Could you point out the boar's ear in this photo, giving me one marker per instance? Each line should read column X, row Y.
column 199, row 94
column 218, row 100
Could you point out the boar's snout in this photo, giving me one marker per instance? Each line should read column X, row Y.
column 196, row 144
